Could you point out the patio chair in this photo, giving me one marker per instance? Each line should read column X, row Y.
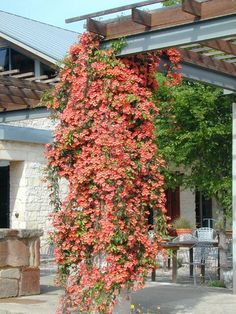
column 47, row 260
column 205, row 234
column 205, row 256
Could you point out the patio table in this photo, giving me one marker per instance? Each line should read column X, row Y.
column 175, row 246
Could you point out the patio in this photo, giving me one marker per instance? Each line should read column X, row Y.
column 156, row 298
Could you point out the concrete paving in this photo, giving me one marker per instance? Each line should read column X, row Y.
column 155, row 298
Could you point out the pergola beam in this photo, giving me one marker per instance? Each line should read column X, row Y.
column 208, row 76
column 179, row 35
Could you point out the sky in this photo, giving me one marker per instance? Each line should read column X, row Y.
column 56, row 11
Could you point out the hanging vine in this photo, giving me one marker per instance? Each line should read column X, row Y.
column 104, row 147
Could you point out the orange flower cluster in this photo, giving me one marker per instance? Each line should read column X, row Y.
column 104, row 147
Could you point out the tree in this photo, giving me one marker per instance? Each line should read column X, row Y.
column 194, row 134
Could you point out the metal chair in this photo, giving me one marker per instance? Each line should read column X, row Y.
column 205, row 234
column 205, row 256
column 47, row 260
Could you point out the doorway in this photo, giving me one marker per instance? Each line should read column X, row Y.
column 203, row 211
column 4, row 197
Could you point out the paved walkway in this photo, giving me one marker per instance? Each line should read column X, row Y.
column 158, row 298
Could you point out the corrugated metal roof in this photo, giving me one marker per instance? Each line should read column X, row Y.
column 40, row 38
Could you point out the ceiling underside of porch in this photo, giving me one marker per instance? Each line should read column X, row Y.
column 21, row 90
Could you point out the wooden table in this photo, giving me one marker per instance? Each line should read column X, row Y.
column 174, row 247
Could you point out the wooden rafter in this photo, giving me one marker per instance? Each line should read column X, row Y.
column 23, row 75
column 10, row 81
column 207, row 62
column 222, row 45
column 22, row 101
column 37, row 78
column 206, row 8
column 162, row 17
column 111, row 11
column 18, row 93
column 2, row 73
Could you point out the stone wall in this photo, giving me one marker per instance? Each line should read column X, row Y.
column 19, row 262
column 29, row 200
column 29, row 196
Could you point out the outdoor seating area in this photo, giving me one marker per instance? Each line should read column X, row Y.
column 192, row 258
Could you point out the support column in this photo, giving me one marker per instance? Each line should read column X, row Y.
column 234, row 195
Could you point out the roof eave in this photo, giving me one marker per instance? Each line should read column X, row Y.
column 29, row 49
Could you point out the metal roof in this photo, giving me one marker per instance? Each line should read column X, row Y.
column 46, row 41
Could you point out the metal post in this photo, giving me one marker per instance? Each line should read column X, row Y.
column 234, row 195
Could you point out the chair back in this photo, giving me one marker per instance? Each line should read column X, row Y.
column 205, row 234
column 202, row 251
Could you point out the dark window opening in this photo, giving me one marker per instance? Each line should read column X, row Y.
column 203, row 211
column 4, row 197
column 21, row 62
column 46, row 70
column 173, row 203
column 4, row 58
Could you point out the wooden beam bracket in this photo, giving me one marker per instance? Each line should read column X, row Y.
column 141, row 17
column 97, row 27
column 192, row 6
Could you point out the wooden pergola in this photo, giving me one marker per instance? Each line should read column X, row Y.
column 204, row 31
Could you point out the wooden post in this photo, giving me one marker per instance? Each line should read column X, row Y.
column 174, row 266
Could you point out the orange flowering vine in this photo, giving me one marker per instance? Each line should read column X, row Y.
column 104, row 147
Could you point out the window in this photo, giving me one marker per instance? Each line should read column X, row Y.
column 21, row 62
column 173, row 203
column 203, row 210
column 4, row 58
column 46, row 70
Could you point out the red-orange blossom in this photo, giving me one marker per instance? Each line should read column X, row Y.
column 104, row 147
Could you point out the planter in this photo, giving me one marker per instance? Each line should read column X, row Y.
column 228, row 233
column 183, row 231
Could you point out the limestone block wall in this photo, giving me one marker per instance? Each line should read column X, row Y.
column 29, row 200
column 19, row 262
column 29, row 195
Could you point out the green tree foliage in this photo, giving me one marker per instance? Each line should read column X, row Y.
column 168, row 3
column 194, row 132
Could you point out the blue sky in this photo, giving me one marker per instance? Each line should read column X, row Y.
column 56, row 11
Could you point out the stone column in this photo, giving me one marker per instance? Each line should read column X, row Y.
column 19, row 262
